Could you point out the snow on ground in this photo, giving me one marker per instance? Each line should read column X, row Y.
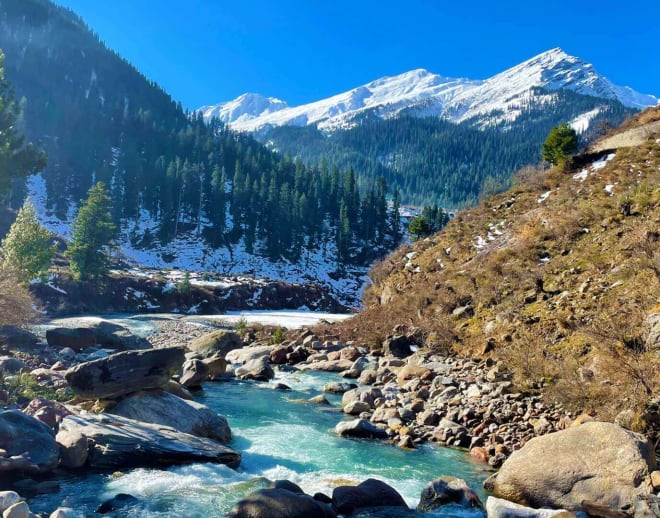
column 602, row 162
column 581, row 123
column 289, row 319
column 544, row 197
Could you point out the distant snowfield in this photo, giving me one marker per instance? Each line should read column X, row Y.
column 288, row 319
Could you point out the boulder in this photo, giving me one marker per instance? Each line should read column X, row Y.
column 280, row 503
column 16, row 337
column 397, row 346
column 448, row 490
column 245, row 354
column 409, row 372
column 76, row 338
column 370, row 493
column 17, row 510
column 338, row 387
column 160, row 407
column 104, row 333
column 116, row 442
column 356, row 408
column 125, row 372
column 217, row 343
column 217, row 366
column 8, row 498
column 598, row 462
column 257, row 369
column 328, row 366
column 47, row 411
column 64, row 512
column 193, row 373
column 74, row 449
column 9, row 365
column 360, row 428
column 120, row 501
column 364, row 394
column 29, row 444
column 499, row 508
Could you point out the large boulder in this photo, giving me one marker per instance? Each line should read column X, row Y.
column 217, row 343
column 76, row 338
column 360, row 428
column 257, row 369
column 125, row 372
column 29, row 444
column 280, row 503
column 116, row 442
column 245, row 354
column 193, row 373
column 79, row 333
column 448, row 490
column 370, row 493
column 160, row 407
column 601, row 463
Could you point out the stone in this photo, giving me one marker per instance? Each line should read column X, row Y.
column 652, row 328
column 217, row 366
column 499, row 508
column 360, row 428
column 16, row 337
column 77, row 339
column 448, row 490
column 216, row 343
column 17, row 510
column 245, row 354
column 370, row 493
column 319, row 400
column 278, row 354
column 411, row 372
column 367, row 377
column 328, row 365
column 356, row 408
column 9, row 365
column 73, row 449
column 428, row 418
column 125, row 372
column 47, row 411
column 598, row 462
column 366, row 395
column 258, row 369
column 175, row 388
column 655, row 480
column 350, row 353
column 160, row 407
column 117, row 502
column 338, row 387
column 280, row 503
column 29, row 444
column 64, row 512
column 479, row 454
column 116, row 443
column 193, row 373
column 7, row 499
column 397, row 346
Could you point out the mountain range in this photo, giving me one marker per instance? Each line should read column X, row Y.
column 497, row 100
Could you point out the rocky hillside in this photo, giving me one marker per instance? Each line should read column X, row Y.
column 559, row 277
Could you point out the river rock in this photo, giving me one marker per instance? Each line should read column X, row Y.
column 104, row 333
column 160, row 407
column 47, row 411
column 17, row 510
column 217, row 366
column 8, row 498
column 245, row 354
column 216, row 343
column 364, row 394
column 74, row 449
column 64, row 512
column 280, row 503
column 338, row 387
column 370, row 493
column 76, row 338
column 258, row 369
column 117, row 502
column 448, row 490
column 360, row 428
column 117, row 443
column 499, row 508
column 29, row 444
column 193, row 373
column 356, row 408
column 598, row 462
column 397, row 346
column 328, row 365
column 125, row 372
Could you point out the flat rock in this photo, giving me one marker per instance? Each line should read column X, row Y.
column 125, row 372
column 116, row 442
column 163, row 408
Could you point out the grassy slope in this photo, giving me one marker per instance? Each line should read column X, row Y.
column 561, row 293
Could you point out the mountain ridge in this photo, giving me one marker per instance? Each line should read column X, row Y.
column 455, row 99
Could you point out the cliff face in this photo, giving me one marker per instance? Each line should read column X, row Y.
column 560, row 277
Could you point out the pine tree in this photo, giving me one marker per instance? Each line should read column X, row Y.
column 27, row 250
column 92, row 233
column 16, row 156
column 562, row 142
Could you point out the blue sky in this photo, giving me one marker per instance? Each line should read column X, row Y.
column 207, row 51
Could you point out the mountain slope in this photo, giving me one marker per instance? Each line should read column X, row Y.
column 185, row 194
column 498, row 99
column 559, row 277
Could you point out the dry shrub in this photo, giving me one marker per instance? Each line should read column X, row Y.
column 15, row 302
column 529, row 357
column 531, row 177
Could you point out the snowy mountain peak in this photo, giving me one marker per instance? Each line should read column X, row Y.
column 500, row 99
column 245, row 107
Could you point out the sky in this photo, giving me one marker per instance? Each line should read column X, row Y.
column 207, row 51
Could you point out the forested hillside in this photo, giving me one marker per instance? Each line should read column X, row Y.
column 431, row 160
column 171, row 176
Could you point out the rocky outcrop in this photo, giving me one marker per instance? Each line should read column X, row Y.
column 125, row 372
column 117, row 442
column 162, row 408
column 596, row 462
column 29, row 444
column 370, row 493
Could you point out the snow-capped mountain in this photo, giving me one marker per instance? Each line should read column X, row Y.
column 496, row 100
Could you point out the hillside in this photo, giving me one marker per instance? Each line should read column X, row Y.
column 185, row 194
column 559, row 277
